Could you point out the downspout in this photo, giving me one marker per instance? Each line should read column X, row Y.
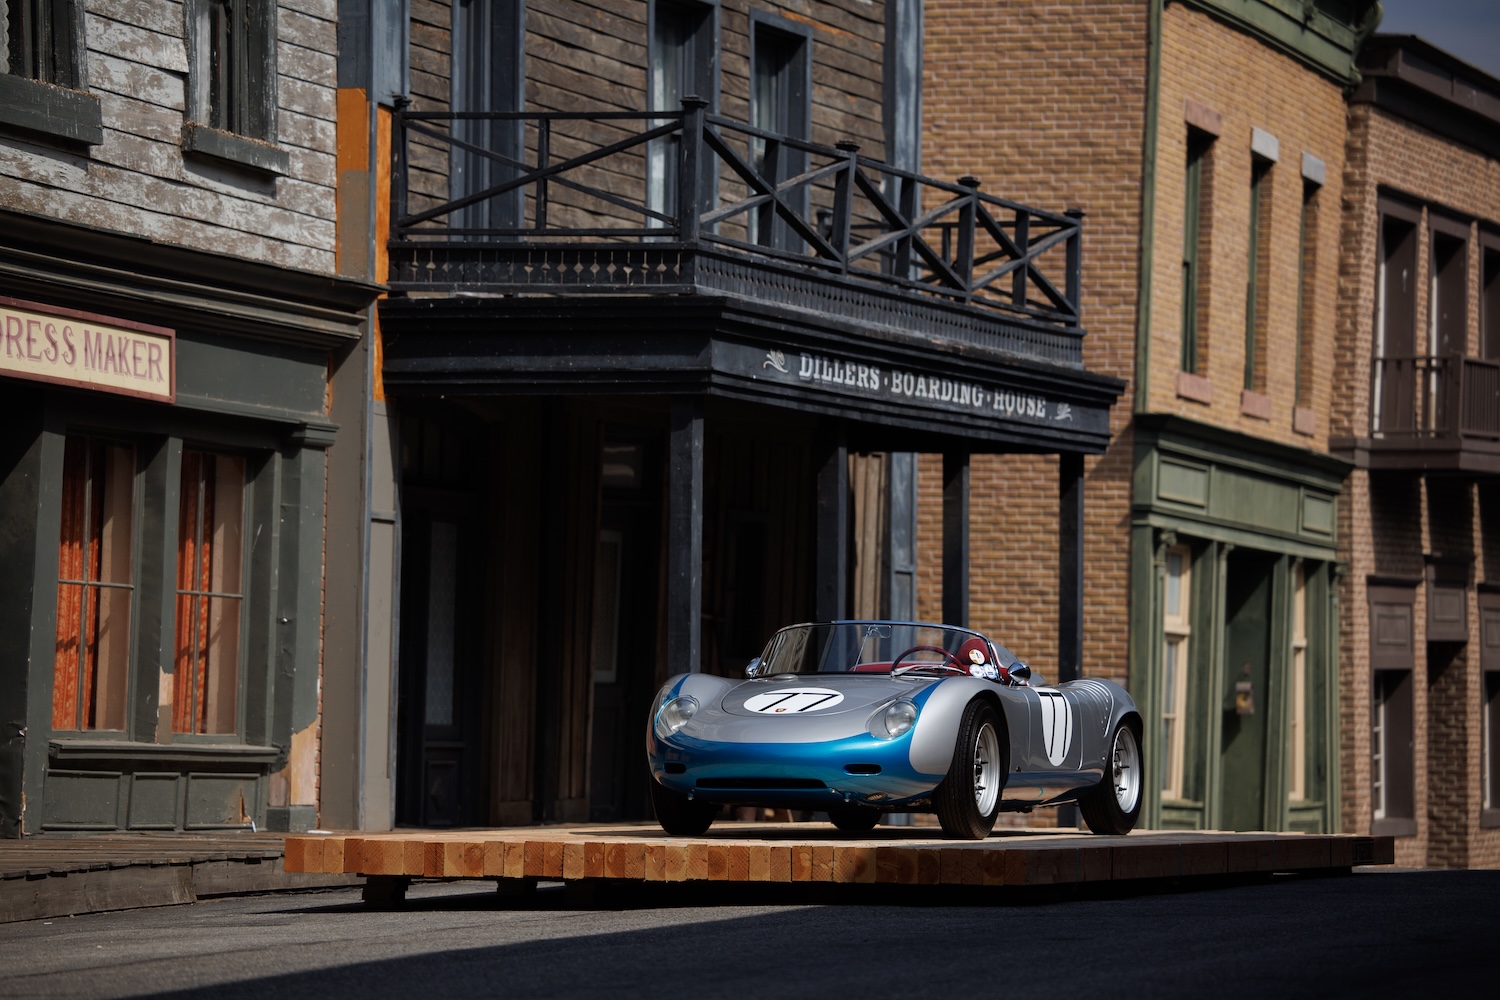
column 1142, row 394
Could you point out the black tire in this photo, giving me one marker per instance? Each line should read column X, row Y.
column 981, row 760
column 679, row 815
column 854, row 819
column 1113, row 806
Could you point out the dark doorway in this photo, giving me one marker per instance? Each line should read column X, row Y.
column 624, row 647
column 1247, row 659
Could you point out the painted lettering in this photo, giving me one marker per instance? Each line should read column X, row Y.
column 70, row 353
column 805, row 368
column 33, row 327
column 51, row 334
column 12, row 335
column 155, row 364
column 92, row 349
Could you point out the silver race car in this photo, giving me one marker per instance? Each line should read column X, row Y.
column 860, row 718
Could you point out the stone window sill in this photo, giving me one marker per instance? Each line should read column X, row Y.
column 238, row 150
column 1195, row 387
column 1393, row 828
column 1304, row 420
column 1256, row 405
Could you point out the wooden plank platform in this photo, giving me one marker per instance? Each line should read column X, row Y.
column 50, row 876
column 814, row 852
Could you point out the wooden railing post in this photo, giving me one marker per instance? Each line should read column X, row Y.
column 1023, row 244
column 843, row 187
column 963, row 258
column 543, row 160
column 906, row 204
column 1073, row 289
column 690, row 195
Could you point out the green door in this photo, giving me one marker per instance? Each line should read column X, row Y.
column 1247, row 658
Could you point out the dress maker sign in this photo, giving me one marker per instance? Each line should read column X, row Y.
column 92, row 352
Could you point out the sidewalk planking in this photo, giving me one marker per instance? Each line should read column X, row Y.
column 49, row 876
column 810, row 852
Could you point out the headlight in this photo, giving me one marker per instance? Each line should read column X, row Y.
column 895, row 719
column 674, row 715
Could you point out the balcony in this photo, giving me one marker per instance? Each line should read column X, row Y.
column 1434, row 414
column 635, row 204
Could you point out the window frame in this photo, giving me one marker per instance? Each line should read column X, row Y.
column 796, row 108
column 1307, row 263
column 1176, row 632
column 1298, row 722
column 661, row 155
column 1258, row 271
column 1392, row 610
column 54, row 106
column 488, row 74
column 245, row 134
column 1392, row 402
column 1197, row 219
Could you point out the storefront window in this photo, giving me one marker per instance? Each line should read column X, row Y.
column 210, row 593
column 1297, row 724
column 1174, row 669
column 94, row 586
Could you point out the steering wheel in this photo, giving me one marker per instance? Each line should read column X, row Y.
column 950, row 661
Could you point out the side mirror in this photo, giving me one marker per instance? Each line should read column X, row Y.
column 755, row 668
column 1020, row 673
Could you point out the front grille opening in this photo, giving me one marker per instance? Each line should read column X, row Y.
column 672, row 768
column 760, row 783
column 861, row 768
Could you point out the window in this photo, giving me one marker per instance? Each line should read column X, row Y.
column 1297, row 724
column 1395, row 321
column 1257, row 275
column 1492, row 742
column 684, row 63
column 1449, row 301
column 41, row 43
column 1197, row 199
column 1307, row 291
column 1391, row 765
column 488, row 76
column 91, row 671
column 232, row 83
column 780, row 103
column 1489, row 299
column 210, row 593
column 1177, row 630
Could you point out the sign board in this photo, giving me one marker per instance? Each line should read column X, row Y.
column 92, row 352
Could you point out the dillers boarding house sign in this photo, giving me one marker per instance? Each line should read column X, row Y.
column 92, row 352
column 872, row 380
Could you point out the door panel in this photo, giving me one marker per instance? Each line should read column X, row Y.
column 1247, row 658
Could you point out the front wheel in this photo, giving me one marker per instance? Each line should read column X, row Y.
column 1114, row 805
column 679, row 815
column 968, row 800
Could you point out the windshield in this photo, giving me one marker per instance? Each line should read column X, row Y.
column 877, row 647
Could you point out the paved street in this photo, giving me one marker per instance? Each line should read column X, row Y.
column 1370, row 934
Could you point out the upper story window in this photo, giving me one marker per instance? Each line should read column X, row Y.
column 1196, row 229
column 1489, row 297
column 41, row 44
column 488, row 75
column 1448, row 304
column 780, row 103
column 1395, row 319
column 684, row 63
column 1258, row 274
column 1307, row 278
column 232, row 82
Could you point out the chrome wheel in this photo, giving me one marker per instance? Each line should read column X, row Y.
column 1126, row 776
column 987, row 776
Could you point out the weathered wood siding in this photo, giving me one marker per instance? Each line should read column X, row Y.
column 591, row 55
column 138, row 182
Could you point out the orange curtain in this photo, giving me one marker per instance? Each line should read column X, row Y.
column 67, row 665
column 194, row 566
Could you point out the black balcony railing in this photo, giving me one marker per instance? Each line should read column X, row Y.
column 1427, row 397
column 473, row 210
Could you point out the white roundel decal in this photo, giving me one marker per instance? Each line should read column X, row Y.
column 793, row 702
column 1057, row 725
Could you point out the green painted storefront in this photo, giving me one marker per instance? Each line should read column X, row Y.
column 1234, row 622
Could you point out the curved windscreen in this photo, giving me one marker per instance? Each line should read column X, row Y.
column 878, row 647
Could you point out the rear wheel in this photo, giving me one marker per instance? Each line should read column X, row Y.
column 968, row 800
column 854, row 819
column 1114, row 805
column 678, row 814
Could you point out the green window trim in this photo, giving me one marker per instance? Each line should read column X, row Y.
column 1195, row 187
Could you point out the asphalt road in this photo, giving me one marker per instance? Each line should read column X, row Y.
column 1371, row 934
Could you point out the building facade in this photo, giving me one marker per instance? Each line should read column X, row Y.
column 172, row 319
column 666, row 284
column 1418, row 414
column 1204, row 141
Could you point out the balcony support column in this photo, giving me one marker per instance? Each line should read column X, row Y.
column 832, row 555
column 685, row 537
column 956, row 538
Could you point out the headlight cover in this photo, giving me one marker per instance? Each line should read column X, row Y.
column 896, row 719
column 675, row 714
